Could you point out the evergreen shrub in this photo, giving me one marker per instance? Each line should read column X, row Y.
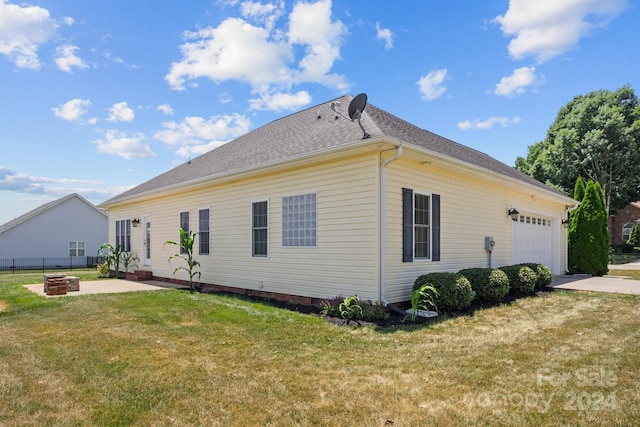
column 490, row 285
column 454, row 290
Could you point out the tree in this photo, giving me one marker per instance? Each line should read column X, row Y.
column 588, row 234
column 579, row 189
column 187, row 240
column 634, row 237
column 596, row 136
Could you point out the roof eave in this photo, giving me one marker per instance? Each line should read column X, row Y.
column 244, row 172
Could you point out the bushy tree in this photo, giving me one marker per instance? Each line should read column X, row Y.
column 588, row 235
column 634, row 237
column 579, row 189
column 595, row 136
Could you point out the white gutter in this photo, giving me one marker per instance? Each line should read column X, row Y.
column 383, row 222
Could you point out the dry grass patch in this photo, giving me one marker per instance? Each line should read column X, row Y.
column 174, row 358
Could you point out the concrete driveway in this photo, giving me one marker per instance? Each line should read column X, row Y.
column 111, row 286
column 614, row 284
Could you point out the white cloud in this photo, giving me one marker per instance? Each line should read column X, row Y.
column 23, row 29
column 123, row 145
column 66, row 58
column 267, row 13
column 310, row 25
column 72, row 110
column 385, row 35
column 545, row 29
column 270, row 60
column 280, row 101
column 488, row 123
column 20, row 182
column 196, row 135
column 518, row 82
column 432, row 85
column 120, row 112
column 165, row 109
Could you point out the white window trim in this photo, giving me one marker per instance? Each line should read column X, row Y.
column 210, row 223
column 413, row 203
column 260, row 257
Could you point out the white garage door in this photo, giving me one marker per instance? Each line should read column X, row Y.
column 532, row 240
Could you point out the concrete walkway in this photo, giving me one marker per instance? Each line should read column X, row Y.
column 614, row 284
column 110, row 286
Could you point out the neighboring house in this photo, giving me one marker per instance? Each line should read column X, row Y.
column 68, row 227
column 622, row 222
column 306, row 206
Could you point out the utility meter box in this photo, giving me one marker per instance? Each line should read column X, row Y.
column 489, row 243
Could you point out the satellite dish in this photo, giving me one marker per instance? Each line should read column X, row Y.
column 357, row 105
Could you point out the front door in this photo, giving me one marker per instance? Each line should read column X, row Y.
column 147, row 241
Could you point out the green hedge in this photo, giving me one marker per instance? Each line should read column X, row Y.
column 454, row 290
column 522, row 279
column 490, row 285
column 544, row 275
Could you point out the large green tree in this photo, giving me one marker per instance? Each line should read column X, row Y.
column 595, row 136
column 588, row 235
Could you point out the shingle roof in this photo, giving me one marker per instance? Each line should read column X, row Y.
column 312, row 130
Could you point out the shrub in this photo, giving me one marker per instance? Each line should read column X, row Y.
column 522, row 279
column 340, row 307
column 454, row 290
column 544, row 275
column 489, row 284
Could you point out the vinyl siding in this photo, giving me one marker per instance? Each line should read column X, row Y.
column 345, row 261
column 48, row 234
column 471, row 208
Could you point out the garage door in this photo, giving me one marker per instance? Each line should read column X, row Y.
column 532, row 240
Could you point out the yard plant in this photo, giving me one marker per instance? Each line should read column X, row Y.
column 454, row 291
column 186, row 243
column 490, row 285
column 172, row 357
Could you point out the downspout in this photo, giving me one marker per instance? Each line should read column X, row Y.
column 383, row 222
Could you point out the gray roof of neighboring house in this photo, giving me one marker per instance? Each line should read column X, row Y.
column 312, row 130
column 40, row 209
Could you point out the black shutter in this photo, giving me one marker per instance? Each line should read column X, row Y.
column 435, row 217
column 407, row 225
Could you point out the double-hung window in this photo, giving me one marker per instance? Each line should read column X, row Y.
column 420, row 226
column 184, row 224
column 203, row 232
column 299, row 220
column 259, row 229
column 123, row 235
column 76, row 248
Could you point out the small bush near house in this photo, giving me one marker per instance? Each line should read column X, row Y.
column 490, row 285
column 544, row 275
column 522, row 279
column 454, row 290
column 352, row 308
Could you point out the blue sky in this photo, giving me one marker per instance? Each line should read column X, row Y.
column 101, row 96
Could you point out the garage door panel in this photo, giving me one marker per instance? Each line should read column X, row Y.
column 532, row 240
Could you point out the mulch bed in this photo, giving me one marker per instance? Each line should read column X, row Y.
column 394, row 319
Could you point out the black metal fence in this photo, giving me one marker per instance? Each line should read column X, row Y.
column 12, row 265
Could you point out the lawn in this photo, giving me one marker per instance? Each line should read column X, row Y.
column 178, row 359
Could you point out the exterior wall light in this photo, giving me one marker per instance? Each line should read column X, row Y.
column 513, row 213
column 135, row 222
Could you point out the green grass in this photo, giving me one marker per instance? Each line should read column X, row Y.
column 174, row 358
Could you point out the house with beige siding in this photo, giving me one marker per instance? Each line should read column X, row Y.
column 308, row 207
